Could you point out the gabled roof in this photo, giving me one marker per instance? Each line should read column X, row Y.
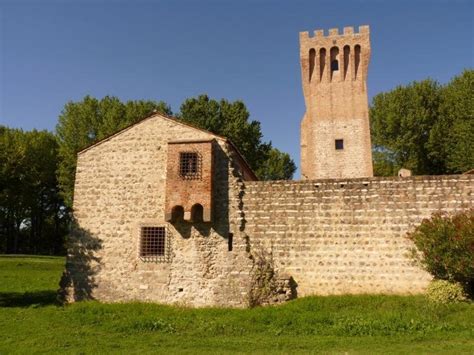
column 178, row 121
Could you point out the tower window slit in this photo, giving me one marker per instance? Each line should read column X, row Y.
column 334, row 61
column 347, row 56
column 357, row 59
column 322, row 63
column 312, row 59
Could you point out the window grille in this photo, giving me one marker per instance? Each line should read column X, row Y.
column 339, row 144
column 154, row 245
column 190, row 165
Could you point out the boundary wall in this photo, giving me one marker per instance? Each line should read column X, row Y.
column 348, row 236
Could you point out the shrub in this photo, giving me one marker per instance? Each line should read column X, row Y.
column 263, row 278
column 443, row 291
column 445, row 247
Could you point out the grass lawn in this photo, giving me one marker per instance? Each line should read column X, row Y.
column 31, row 322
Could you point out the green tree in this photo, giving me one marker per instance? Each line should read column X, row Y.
column 425, row 127
column 401, row 121
column 384, row 162
column 90, row 120
column 12, row 209
column 277, row 166
column 452, row 137
column 31, row 211
column 231, row 119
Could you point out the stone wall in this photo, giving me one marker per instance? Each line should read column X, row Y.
column 330, row 236
column 348, row 236
column 120, row 187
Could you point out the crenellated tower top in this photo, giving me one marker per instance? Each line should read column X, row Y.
column 334, row 69
column 326, row 58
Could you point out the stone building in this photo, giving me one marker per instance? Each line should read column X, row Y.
column 169, row 213
column 335, row 132
column 156, row 208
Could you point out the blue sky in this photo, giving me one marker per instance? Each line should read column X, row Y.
column 52, row 52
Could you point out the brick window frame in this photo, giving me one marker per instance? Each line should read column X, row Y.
column 154, row 244
column 190, row 165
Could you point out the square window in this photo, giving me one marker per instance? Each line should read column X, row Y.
column 189, row 165
column 153, row 243
column 339, row 144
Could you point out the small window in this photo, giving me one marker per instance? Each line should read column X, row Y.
column 189, row 165
column 153, row 244
column 339, row 144
column 334, row 65
column 230, row 242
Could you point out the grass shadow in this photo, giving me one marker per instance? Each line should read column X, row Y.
column 28, row 299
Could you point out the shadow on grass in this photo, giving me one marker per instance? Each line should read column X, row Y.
column 82, row 264
column 28, row 299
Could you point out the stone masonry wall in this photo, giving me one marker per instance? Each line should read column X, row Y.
column 120, row 187
column 348, row 236
column 331, row 236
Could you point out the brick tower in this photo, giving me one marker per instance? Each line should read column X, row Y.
column 335, row 132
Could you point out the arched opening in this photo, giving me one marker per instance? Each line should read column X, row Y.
column 322, row 62
column 312, row 58
column 356, row 59
column 334, row 61
column 197, row 213
column 347, row 55
column 177, row 214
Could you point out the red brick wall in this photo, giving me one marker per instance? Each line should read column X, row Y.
column 188, row 192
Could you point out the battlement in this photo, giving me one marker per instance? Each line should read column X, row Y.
column 334, row 32
column 335, row 132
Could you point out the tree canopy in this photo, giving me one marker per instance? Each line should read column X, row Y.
column 31, row 216
column 452, row 138
column 231, row 119
column 425, row 127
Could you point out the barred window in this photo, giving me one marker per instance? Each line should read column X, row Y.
column 190, row 165
column 153, row 244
